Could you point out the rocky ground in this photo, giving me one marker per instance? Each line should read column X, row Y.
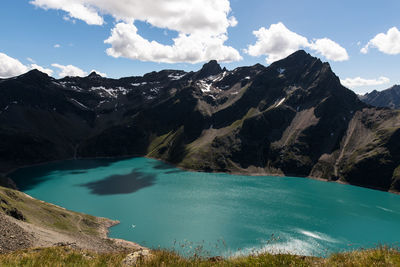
column 29, row 223
column 12, row 236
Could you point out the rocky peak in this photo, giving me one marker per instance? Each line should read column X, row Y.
column 94, row 75
column 387, row 98
column 34, row 76
column 209, row 69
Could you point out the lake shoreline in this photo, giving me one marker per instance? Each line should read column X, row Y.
column 7, row 173
column 214, row 194
column 33, row 228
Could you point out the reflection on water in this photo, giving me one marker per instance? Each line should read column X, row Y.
column 121, row 184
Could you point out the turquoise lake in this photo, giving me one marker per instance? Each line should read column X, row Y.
column 159, row 205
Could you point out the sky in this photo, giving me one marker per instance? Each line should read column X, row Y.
column 119, row 38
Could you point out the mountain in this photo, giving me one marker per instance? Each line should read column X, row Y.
column 292, row 118
column 387, row 98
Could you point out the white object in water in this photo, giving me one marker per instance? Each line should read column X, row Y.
column 133, row 225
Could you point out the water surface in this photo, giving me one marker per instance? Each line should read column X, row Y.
column 159, row 205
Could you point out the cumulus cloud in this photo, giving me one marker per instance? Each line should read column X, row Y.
column 69, row 70
column 44, row 70
column 278, row 42
column 329, row 49
column 388, row 43
column 10, row 67
column 201, row 25
column 75, row 9
column 353, row 83
column 194, row 48
column 57, row 46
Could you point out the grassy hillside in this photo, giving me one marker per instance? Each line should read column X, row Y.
column 26, row 222
column 64, row 256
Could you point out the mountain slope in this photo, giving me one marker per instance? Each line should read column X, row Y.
column 291, row 118
column 387, row 98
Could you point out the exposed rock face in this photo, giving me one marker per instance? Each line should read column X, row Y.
column 137, row 257
column 12, row 236
column 387, row 98
column 209, row 69
column 292, row 118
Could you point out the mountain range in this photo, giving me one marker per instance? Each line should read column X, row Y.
column 292, row 118
column 387, row 98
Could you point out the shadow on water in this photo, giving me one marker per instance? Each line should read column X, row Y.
column 159, row 165
column 170, row 169
column 29, row 177
column 121, row 184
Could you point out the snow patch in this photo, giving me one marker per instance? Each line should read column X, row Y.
column 205, row 86
column 110, row 92
column 218, row 77
column 78, row 103
column 76, row 88
column 138, row 84
column 176, row 76
column 280, row 102
column 281, row 70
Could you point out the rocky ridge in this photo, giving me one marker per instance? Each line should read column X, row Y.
column 389, row 98
column 291, row 118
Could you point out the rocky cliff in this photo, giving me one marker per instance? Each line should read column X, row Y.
column 291, row 118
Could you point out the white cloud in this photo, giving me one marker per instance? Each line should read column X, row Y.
column 75, row 8
column 329, row 49
column 388, row 43
column 201, row 25
column 102, row 74
column 57, row 46
column 353, row 83
column 193, row 48
column 30, row 60
column 69, row 70
column 44, row 70
column 68, row 18
column 278, row 42
column 10, row 67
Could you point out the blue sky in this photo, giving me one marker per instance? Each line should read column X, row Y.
column 30, row 31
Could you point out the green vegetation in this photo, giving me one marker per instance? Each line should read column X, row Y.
column 250, row 113
column 65, row 256
column 36, row 212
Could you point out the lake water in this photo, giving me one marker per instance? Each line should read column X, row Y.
column 159, row 205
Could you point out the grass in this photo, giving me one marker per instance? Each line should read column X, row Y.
column 47, row 215
column 65, row 256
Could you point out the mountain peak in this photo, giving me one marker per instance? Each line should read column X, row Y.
column 298, row 57
column 35, row 75
column 94, row 75
column 209, row 69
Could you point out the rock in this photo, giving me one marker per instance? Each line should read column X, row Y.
column 136, row 257
column 216, row 259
